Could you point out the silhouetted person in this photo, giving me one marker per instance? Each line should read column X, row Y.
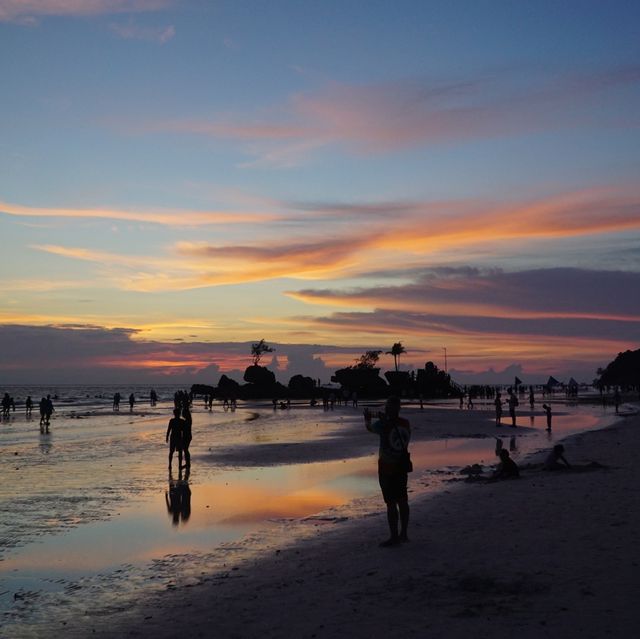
column 555, row 460
column 512, row 402
column 116, row 402
column 395, row 433
column 132, row 401
column 532, row 399
column 547, row 410
column 174, row 436
column 187, row 421
column 616, row 399
column 28, row 406
column 498, row 404
column 48, row 411
column 507, row 468
column 153, row 397
column 6, row 405
column 43, row 410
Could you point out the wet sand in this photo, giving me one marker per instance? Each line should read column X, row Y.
column 549, row 553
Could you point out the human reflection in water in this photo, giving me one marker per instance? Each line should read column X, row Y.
column 178, row 498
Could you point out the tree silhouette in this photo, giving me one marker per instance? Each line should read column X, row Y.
column 368, row 360
column 258, row 350
column 396, row 350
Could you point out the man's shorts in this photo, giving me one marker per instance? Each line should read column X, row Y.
column 175, row 443
column 394, row 486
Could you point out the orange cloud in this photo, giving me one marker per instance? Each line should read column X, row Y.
column 417, row 234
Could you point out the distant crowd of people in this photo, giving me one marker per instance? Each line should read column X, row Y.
column 46, row 409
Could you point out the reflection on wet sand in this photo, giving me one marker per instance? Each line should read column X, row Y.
column 178, row 498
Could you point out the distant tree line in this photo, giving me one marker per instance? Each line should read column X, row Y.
column 362, row 378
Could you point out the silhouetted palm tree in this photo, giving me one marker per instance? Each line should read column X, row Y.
column 396, row 350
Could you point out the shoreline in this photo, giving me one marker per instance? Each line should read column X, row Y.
column 476, row 557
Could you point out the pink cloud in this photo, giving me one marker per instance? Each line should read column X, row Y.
column 380, row 118
column 160, row 35
column 28, row 11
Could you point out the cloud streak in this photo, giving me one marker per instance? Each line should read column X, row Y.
column 414, row 235
column 553, row 314
column 383, row 118
column 105, row 355
column 29, row 11
column 172, row 217
column 159, row 35
column 550, row 293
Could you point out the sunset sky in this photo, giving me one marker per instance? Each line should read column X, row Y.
column 180, row 178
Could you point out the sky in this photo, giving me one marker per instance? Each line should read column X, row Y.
column 182, row 178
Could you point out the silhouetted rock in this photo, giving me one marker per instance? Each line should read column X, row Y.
column 432, row 382
column 399, row 382
column 259, row 375
column 202, row 389
column 228, row 386
column 624, row 370
column 363, row 380
column 301, row 386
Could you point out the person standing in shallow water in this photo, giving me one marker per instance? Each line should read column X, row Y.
column 547, row 410
column 512, row 403
column 175, row 431
column 395, row 433
column 187, row 421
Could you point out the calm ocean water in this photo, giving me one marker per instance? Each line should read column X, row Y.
column 88, row 396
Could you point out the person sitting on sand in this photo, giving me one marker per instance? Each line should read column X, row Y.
column 507, row 468
column 395, row 433
column 555, row 460
column 174, row 436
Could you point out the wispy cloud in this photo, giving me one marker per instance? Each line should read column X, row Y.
column 537, row 316
column 371, row 119
column 130, row 31
column 414, row 236
column 29, row 11
column 531, row 295
column 172, row 217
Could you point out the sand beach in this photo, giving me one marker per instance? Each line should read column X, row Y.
column 549, row 553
